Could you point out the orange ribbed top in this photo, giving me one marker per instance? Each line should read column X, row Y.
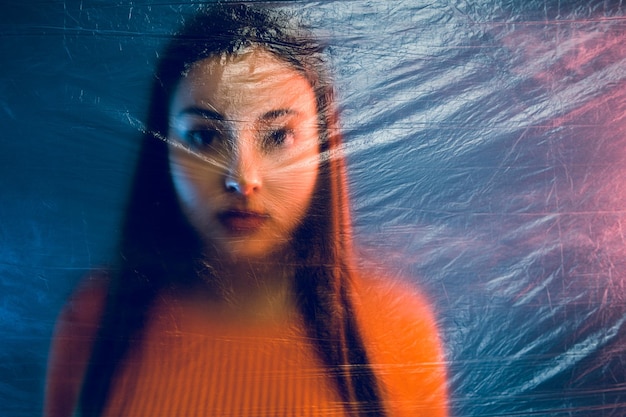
column 193, row 365
column 188, row 366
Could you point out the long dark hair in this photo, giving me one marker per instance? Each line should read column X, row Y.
column 159, row 248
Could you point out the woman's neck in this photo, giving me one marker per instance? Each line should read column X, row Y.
column 253, row 290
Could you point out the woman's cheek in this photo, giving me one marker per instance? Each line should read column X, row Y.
column 195, row 181
column 297, row 181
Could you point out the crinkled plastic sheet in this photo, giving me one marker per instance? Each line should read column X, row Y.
column 486, row 155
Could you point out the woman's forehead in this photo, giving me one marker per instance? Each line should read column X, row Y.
column 251, row 64
column 249, row 81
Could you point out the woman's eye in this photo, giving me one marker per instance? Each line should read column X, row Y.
column 201, row 138
column 276, row 138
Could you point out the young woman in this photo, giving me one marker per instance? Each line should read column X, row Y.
column 235, row 293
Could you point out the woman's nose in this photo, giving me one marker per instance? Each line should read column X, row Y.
column 243, row 174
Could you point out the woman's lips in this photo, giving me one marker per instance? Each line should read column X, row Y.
column 241, row 221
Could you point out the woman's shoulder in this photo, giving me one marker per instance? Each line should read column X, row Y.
column 84, row 307
column 75, row 331
column 400, row 304
column 400, row 331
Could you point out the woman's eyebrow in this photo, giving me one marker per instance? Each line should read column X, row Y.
column 275, row 114
column 202, row 112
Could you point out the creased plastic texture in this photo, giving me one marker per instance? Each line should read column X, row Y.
column 485, row 143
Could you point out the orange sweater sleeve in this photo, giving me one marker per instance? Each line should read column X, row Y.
column 402, row 338
column 75, row 331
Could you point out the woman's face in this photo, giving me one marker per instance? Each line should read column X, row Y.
column 244, row 151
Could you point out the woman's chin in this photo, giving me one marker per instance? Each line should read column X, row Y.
column 250, row 249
